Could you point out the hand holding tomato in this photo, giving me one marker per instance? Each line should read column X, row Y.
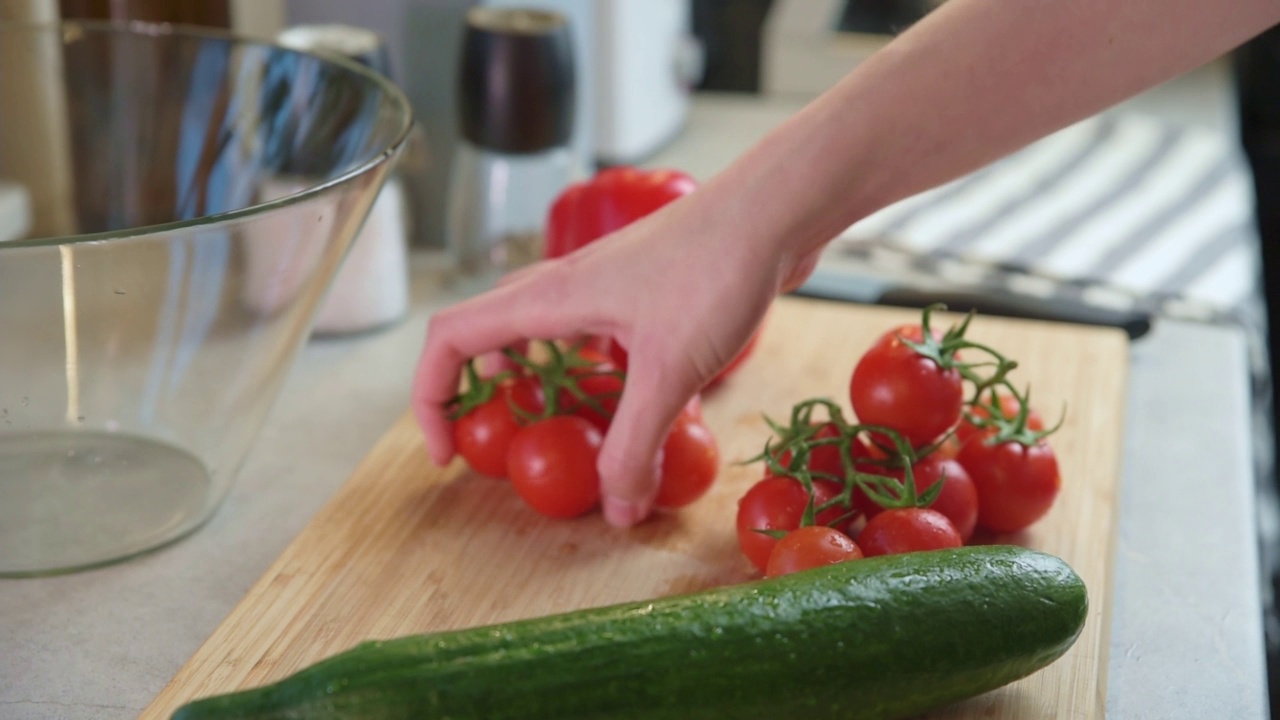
column 690, row 461
column 483, row 435
column 682, row 289
column 540, row 422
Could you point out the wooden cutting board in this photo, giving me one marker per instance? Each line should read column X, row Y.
column 405, row 547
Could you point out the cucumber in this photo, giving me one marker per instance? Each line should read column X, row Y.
column 883, row 637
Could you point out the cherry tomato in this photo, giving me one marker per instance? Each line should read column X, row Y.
column 823, row 458
column 1009, row 406
column 894, row 386
column 598, row 384
column 552, row 464
column 810, row 547
column 958, row 500
column 778, row 503
column 1016, row 484
column 906, row 530
column 690, row 461
column 484, row 434
column 949, row 448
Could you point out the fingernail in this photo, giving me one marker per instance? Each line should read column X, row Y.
column 622, row 513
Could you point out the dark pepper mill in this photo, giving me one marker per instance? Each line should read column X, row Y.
column 515, row 117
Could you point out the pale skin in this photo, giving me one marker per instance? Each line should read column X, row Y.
column 684, row 288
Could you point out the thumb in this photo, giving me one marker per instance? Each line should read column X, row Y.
column 630, row 461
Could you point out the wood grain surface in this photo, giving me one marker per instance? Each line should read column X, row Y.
column 405, row 547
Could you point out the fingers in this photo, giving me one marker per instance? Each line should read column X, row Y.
column 492, row 363
column 801, row 272
column 630, row 461
column 539, row 304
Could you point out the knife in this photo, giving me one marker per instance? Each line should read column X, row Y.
column 860, row 288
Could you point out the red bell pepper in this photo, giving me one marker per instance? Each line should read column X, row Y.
column 612, row 199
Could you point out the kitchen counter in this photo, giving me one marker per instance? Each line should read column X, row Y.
column 1186, row 639
column 1186, row 636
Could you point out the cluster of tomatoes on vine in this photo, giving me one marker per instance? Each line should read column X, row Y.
column 541, row 421
column 943, row 445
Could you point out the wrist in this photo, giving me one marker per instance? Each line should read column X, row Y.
column 793, row 192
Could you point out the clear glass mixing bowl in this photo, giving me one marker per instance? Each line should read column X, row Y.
column 149, row 317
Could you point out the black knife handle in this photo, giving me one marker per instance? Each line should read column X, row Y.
column 1135, row 323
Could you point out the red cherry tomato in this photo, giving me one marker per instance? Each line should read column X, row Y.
column 690, row 461
column 906, row 530
column 894, row 386
column 1016, row 484
column 949, row 448
column 958, row 500
column 483, row 436
column 552, row 465
column 778, row 503
column 810, row 547
column 597, row 383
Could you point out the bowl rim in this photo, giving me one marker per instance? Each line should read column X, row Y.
column 394, row 93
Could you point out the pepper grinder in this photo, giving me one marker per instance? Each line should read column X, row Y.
column 515, row 118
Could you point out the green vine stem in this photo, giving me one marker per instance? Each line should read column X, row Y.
column 1015, row 429
column 797, row 441
column 563, row 369
column 945, row 351
column 477, row 392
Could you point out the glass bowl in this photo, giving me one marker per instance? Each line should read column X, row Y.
column 149, row 317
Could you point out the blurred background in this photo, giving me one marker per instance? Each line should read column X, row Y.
column 640, row 61
column 1159, row 207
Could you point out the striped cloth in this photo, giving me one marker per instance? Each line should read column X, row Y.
column 1118, row 210
column 1121, row 211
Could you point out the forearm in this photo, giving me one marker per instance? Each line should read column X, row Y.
column 975, row 80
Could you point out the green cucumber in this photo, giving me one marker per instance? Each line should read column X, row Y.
column 883, row 637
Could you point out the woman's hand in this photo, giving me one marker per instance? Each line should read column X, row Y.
column 683, row 288
column 679, row 290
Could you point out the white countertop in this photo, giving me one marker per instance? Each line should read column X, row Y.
column 1186, row 639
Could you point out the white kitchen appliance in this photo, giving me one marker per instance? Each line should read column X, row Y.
column 647, row 64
